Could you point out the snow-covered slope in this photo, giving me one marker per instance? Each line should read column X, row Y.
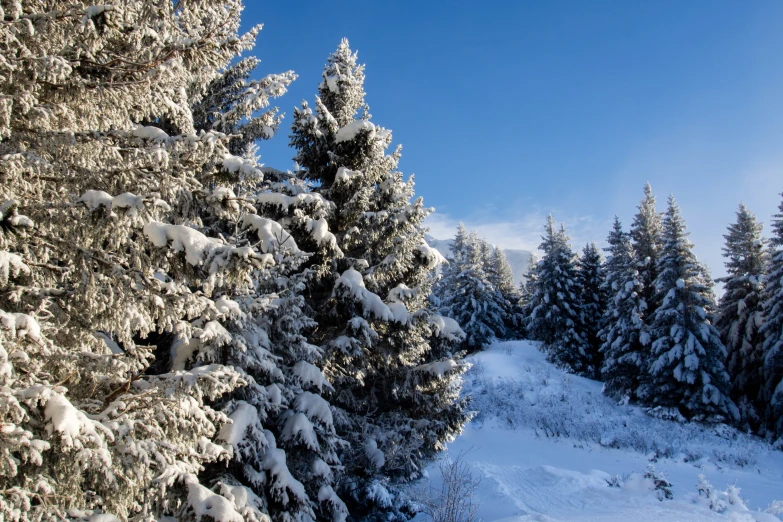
column 545, row 443
column 518, row 259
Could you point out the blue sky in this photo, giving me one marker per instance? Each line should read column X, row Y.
column 508, row 111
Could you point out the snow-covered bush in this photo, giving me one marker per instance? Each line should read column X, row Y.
column 663, row 488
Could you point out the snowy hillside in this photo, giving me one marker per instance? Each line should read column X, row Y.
column 518, row 259
column 546, row 445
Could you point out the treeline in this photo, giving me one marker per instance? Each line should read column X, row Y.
column 183, row 332
column 645, row 320
column 477, row 290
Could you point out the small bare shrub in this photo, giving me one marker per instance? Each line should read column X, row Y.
column 454, row 501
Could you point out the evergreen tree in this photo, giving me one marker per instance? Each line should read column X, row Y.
column 687, row 374
column 646, row 239
column 773, row 334
column 740, row 315
column 621, row 334
column 390, row 360
column 527, row 289
column 593, row 299
column 108, row 250
column 232, row 104
column 556, row 317
column 467, row 295
column 501, row 277
column 286, row 447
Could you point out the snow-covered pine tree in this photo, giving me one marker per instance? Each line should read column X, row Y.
column 538, row 325
column 527, row 290
column 593, row 298
column 740, row 315
column 502, row 278
column 286, row 447
column 686, row 372
column 105, row 256
column 622, row 321
column 232, row 103
column 773, row 333
column 556, row 317
column 467, row 295
column 646, row 233
column 396, row 397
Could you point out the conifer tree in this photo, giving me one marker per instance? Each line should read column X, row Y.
column 740, row 315
column 287, row 448
column 527, row 290
column 501, row 277
column 622, row 321
column 108, row 250
column 233, row 104
column 467, row 295
column 556, row 317
column 773, row 334
column 646, row 239
column 390, row 360
column 687, row 374
column 593, row 299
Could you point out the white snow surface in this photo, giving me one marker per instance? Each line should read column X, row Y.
column 530, row 473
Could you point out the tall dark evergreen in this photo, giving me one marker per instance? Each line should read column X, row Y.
column 646, row 239
column 593, row 297
column 773, row 334
column 686, row 373
column 740, row 315
column 556, row 317
column 390, row 360
column 622, row 321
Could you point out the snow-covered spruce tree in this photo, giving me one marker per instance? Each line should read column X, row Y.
column 283, row 431
column 502, row 278
column 593, row 298
column 232, row 104
column 390, row 360
column 621, row 347
column 646, row 234
column 556, row 317
column 686, row 373
column 105, row 255
column 527, row 290
column 467, row 295
column 773, row 334
column 740, row 315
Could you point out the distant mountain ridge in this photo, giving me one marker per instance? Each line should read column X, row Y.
column 518, row 259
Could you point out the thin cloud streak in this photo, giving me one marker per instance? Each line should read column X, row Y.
column 522, row 233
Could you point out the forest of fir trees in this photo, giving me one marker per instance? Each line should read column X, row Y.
column 644, row 320
column 185, row 334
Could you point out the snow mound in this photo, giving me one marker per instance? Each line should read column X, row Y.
column 548, row 446
column 351, row 130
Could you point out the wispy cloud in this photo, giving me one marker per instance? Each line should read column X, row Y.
column 519, row 232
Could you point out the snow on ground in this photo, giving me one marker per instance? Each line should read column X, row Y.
column 544, row 444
